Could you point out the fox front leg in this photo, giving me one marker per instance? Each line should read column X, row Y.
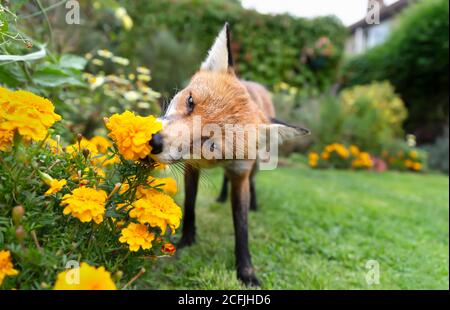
column 191, row 177
column 240, row 200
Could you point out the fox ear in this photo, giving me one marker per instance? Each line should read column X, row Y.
column 284, row 132
column 220, row 58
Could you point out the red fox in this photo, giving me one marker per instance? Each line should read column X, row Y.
column 218, row 100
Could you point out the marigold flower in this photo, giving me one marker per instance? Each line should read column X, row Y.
column 6, row 139
column 132, row 134
column 354, row 150
column 27, row 113
column 325, row 155
column 409, row 164
column 6, row 266
column 90, row 278
column 158, row 210
column 417, row 167
column 137, row 236
column 101, row 143
column 313, row 159
column 53, row 145
column 55, row 186
column 168, row 248
column 86, row 204
column 167, row 185
column 84, row 144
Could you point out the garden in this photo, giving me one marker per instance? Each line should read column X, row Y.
column 84, row 204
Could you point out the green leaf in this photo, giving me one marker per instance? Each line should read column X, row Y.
column 53, row 76
column 72, row 62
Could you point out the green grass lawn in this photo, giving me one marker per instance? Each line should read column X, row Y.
column 317, row 230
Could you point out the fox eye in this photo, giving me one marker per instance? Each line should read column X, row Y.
column 190, row 104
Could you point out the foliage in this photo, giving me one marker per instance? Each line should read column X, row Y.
column 415, row 60
column 83, row 89
column 439, row 154
column 369, row 116
column 61, row 204
column 404, row 156
column 303, row 53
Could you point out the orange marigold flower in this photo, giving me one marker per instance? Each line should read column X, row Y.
column 88, row 278
column 168, row 248
column 132, row 134
column 86, row 204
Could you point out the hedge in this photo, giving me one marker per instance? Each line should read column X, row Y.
column 269, row 49
column 415, row 60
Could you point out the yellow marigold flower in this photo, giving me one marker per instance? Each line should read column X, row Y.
column 55, row 186
column 313, row 159
column 6, row 139
column 409, row 164
column 137, row 236
column 167, row 185
column 53, row 145
column 107, row 160
column 101, row 143
column 27, row 113
column 86, row 204
column 6, row 266
column 354, row 150
column 329, row 148
column 342, row 151
column 83, row 145
column 132, row 134
column 325, row 155
column 158, row 210
column 89, row 278
column 413, row 154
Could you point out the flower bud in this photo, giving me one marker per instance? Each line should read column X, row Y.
column 17, row 214
column 20, row 233
column 86, row 153
column 45, row 177
column 118, row 275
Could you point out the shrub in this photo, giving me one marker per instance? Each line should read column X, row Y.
column 415, row 60
column 375, row 115
column 269, row 49
column 405, row 156
column 369, row 116
column 439, row 154
column 93, row 201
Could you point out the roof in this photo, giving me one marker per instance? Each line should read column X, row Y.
column 386, row 13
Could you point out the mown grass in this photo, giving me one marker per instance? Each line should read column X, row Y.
column 317, row 230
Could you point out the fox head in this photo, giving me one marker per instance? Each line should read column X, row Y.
column 214, row 102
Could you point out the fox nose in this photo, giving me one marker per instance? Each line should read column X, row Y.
column 157, row 144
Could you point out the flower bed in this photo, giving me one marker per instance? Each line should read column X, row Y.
column 96, row 206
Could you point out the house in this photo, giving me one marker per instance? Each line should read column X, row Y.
column 366, row 34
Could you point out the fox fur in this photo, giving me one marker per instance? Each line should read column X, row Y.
column 217, row 95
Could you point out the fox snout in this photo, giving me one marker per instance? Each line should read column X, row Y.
column 157, row 144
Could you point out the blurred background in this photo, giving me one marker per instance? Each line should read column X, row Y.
column 350, row 81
